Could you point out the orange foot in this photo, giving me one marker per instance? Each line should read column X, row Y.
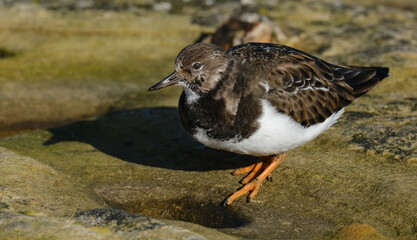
column 257, row 174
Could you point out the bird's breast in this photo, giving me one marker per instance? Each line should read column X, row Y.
column 221, row 118
column 276, row 133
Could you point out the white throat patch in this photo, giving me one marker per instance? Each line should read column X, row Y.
column 190, row 95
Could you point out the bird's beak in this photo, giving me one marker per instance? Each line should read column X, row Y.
column 171, row 79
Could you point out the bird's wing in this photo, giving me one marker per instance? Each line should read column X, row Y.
column 304, row 87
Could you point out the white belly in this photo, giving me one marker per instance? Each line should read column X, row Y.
column 277, row 133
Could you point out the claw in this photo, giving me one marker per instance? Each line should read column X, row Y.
column 257, row 174
column 225, row 203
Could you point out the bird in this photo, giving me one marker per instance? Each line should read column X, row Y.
column 262, row 99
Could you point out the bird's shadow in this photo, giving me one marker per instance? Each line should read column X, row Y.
column 148, row 136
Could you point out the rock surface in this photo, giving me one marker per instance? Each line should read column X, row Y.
column 98, row 224
column 29, row 186
column 355, row 181
column 358, row 232
column 66, row 67
column 38, row 202
column 323, row 185
column 21, row 226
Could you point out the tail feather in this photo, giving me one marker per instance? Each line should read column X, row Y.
column 363, row 79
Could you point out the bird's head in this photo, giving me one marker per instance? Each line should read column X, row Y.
column 198, row 68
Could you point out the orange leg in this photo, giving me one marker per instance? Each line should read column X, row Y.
column 248, row 168
column 254, row 180
column 254, row 170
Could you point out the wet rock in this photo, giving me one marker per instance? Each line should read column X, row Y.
column 172, row 205
column 131, row 226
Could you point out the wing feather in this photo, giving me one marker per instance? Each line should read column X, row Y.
column 304, row 87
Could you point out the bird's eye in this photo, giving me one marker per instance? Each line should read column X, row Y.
column 196, row 65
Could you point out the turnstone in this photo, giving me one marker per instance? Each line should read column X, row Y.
column 262, row 99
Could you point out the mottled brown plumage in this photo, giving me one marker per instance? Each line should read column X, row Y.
column 302, row 86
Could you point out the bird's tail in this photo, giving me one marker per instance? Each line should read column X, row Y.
column 363, row 79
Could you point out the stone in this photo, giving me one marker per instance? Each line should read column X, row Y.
column 322, row 185
column 107, row 150
column 37, row 201
column 132, row 226
column 29, row 186
column 97, row 224
column 359, row 232
column 21, row 226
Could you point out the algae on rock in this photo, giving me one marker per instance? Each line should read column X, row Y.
column 70, row 67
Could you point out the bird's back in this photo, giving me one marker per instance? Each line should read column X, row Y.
column 300, row 85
